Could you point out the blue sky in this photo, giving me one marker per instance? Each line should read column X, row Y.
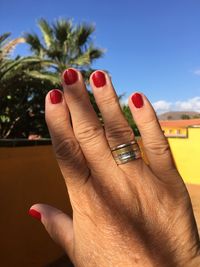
column 151, row 46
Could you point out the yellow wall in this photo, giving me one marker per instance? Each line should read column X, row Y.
column 186, row 152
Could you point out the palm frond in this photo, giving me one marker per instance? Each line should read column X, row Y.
column 4, row 37
column 62, row 29
column 13, row 67
column 47, row 32
column 11, row 46
column 86, row 58
column 34, row 41
column 95, row 53
column 53, row 77
column 81, row 60
column 82, row 33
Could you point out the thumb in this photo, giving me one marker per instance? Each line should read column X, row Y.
column 58, row 224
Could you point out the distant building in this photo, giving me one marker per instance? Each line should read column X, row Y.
column 178, row 128
column 184, row 140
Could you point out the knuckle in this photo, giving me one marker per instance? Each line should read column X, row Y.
column 67, row 149
column 76, row 96
column 163, row 149
column 119, row 131
column 154, row 141
column 147, row 123
column 158, row 148
column 109, row 100
column 87, row 134
column 56, row 120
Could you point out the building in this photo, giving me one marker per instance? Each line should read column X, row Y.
column 184, row 140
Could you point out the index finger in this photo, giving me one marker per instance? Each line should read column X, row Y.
column 155, row 143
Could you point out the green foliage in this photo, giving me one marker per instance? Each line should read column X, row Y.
column 196, row 116
column 18, row 90
column 24, row 81
column 185, row 117
column 65, row 44
column 129, row 118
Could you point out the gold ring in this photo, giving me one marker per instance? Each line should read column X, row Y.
column 126, row 152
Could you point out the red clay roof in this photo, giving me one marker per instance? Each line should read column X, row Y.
column 180, row 123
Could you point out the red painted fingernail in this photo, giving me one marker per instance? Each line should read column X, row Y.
column 35, row 214
column 70, row 76
column 99, row 79
column 55, row 96
column 137, row 100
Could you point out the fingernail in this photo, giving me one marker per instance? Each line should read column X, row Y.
column 99, row 79
column 55, row 96
column 35, row 214
column 70, row 76
column 137, row 100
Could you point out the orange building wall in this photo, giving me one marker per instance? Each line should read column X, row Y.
column 28, row 175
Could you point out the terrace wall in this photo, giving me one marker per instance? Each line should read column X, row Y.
column 28, row 175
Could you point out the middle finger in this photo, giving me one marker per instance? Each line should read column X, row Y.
column 86, row 125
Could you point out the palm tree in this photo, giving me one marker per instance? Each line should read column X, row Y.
column 7, row 66
column 24, row 81
column 65, row 45
column 16, row 88
column 20, row 68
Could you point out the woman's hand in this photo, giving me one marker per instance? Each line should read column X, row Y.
column 131, row 214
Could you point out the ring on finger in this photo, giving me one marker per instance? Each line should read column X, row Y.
column 124, row 153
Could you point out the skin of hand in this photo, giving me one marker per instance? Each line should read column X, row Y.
column 134, row 214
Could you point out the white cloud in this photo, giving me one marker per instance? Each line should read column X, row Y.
column 192, row 104
column 124, row 101
column 162, row 106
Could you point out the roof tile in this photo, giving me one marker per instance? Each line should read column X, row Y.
column 179, row 123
